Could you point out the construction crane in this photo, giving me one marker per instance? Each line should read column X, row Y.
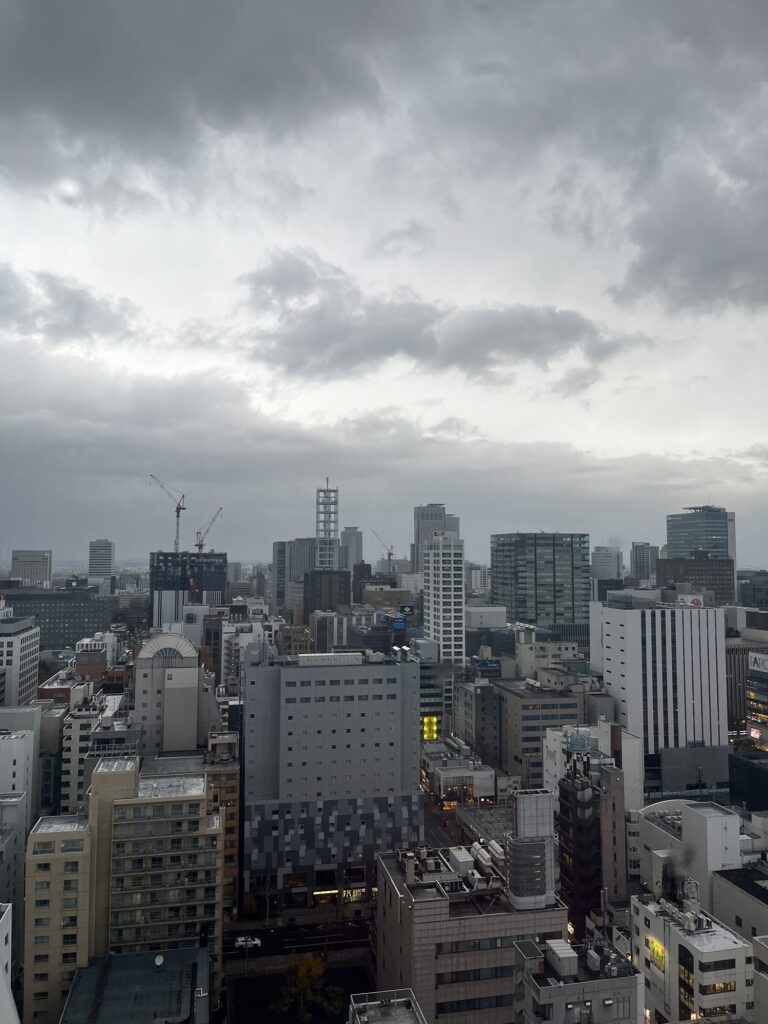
column 389, row 548
column 202, row 534
column 178, row 502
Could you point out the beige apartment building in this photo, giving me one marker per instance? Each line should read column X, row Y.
column 447, row 929
column 142, row 871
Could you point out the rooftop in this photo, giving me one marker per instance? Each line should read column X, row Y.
column 185, row 765
column 116, row 764
column 465, row 880
column 133, row 989
column 397, row 1006
column 61, row 823
column 752, row 881
column 162, row 786
column 706, row 936
column 577, row 964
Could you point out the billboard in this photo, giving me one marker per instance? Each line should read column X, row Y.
column 691, row 600
column 758, row 662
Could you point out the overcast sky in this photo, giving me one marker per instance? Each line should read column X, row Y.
column 511, row 256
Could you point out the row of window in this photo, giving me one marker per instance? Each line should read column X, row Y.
column 336, row 699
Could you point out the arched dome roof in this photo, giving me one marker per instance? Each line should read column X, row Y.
column 168, row 645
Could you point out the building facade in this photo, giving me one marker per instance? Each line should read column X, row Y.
column 140, row 872
column 64, row 616
column 445, row 928
column 642, row 561
column 542, row 579
column 101, row 557
column 607, row 563
column 703, row 572
column 178, row 578
column 19, row 656
column 33, row 567
column 351, row 547
column 428, row 520
column 331, row 772
column 664, row 666
column 706, row 528
column 444, row 604
column 692, row 964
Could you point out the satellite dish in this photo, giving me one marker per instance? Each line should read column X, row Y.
column 159, row 961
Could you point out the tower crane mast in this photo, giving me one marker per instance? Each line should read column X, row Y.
column 178, row 502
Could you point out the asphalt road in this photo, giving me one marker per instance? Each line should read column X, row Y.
column 437, row 834
column 299, row 939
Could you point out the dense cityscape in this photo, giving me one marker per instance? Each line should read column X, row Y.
column 383, row 489
column 421, row 787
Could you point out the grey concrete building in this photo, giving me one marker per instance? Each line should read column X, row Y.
column 63, row 616
column 593, row 984
column 445, row 928
column 427, row 520
column 331, row 770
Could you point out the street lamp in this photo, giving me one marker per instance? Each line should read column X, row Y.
column 246, row 942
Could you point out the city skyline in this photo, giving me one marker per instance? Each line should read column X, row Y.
column 470, row 256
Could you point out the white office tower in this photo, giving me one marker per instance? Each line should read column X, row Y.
column 607, row 563
column 327, row 527
column 33, row 567
column 19, row 656
column 664, row 666
column 101, row 558
column 444, row 609
column 531, row 853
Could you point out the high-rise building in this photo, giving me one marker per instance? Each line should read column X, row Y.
column 541, row 578
column 444, row 602
column 331, row 762
column 642, row 561
column 662, row 658
column 428, row 520
column 33, row 567
column 707, row 528
column 593, row 850
column 291, row 559
column 351, row 547
column 101, row 558
column 326, row 590
column 607, row 563
column 109, row 882
column 327, row 527
column 178, row 578
column 447, row 928
column 703, row 572
column 19, row 656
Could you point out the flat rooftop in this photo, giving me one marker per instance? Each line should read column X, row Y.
column 161, row 786
column 713, row 938
column 585, row 969
column 397, row 1006
column 61, row 823
column 132, row 989
column 187, row 765
column 454, row 878
column 488, row 823
column 752, row 881
column 116, row 764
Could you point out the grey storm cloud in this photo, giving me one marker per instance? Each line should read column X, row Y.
column 412, row 237
column 94, row 91
column 59, row 309
column 112, row 431
column 323, row 324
